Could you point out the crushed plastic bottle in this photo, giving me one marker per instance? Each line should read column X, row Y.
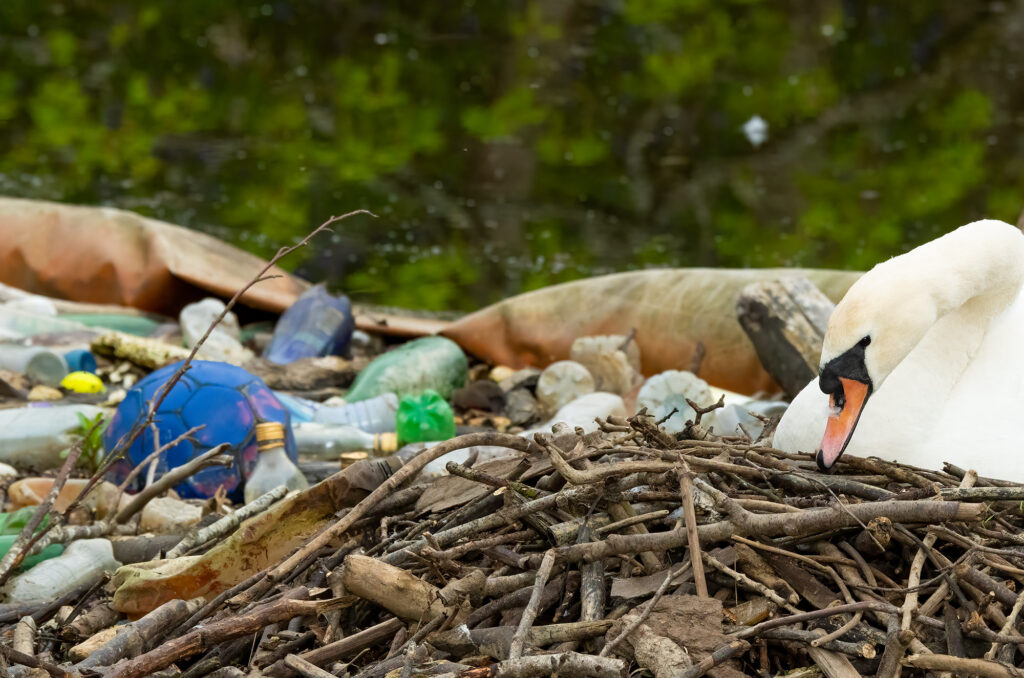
column 83, row 561
column 34, row 437
column 373, row 415
column 273, row 467
column 426, row 416
column 582, row 412
column 561, row 383
column 427, row 363
column 669, row 390
column 317, row 324
column 613, row 360
column 222, row 344
column 329, row 440
column 35, row 362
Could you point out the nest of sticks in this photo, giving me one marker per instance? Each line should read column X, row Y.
column 620, row 552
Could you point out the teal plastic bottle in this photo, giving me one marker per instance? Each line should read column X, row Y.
column 433, row 363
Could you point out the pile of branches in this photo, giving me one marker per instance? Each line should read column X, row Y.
column 602, row 554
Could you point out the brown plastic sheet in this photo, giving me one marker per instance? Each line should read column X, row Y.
column 103, row 255
column 671, row 311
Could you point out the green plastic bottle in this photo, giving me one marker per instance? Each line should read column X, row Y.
column 424, row 417
column 433, row 363
column 11, row 525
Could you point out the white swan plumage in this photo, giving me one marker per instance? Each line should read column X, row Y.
column 923, row 361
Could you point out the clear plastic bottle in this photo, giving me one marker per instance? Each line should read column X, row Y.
column 82, row 561
column 273, row 467
column 33, row 437
column 374, row 415
column 329, row 440
column 35, row 362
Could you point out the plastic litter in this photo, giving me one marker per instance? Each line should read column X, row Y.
column 223, row 343
column 614, row 362
column 373, row 415
column 114, row 256
column 83, row 561
column 428, row 363
column 167, row 515
column 273, row 467
column 330, row 440
column 582, row 412
column 561, row 383
column 82, row 382
column 50, row 551
column 426, row 416
column 102, row 500
column 671, row 311
column 669, row 390
column 317, row 324
column 80, row 360
column 34, row 437
column 35, row 362
column 16, row 323
column 226, row 400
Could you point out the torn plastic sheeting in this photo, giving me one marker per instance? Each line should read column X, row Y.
column 111, row 256
column 671, row 310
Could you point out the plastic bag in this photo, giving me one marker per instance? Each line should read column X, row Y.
column 671, row 311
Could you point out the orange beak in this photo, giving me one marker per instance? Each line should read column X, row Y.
column 840, row 426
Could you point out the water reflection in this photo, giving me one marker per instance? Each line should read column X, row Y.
column 509, row 145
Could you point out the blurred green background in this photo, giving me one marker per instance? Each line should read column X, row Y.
column 510, row 145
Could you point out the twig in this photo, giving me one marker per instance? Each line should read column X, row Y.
column 962, row 667
column 686, row 488
column 172, row 478
column 530, row 613
column 19, row 549
column 297, row 663
column 228, row 523
column 32, row 662
column 407, row 472
column 719, row 656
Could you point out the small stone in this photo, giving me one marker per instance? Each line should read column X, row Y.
column 42, row 393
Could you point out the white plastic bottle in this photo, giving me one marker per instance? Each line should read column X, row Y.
column 374, row 415
column 583, row 411
column 82, row 562
column 273, row 467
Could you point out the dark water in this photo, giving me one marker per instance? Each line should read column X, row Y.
column 509, row 145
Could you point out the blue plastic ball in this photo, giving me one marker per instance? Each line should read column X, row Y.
column 227, row 400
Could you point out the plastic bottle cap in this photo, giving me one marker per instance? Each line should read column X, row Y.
column 269, row 435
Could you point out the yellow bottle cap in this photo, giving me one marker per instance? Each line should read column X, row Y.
column 269, row 435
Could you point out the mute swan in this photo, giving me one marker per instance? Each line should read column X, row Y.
column 923, row 360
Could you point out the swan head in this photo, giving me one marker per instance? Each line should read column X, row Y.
column 871, row 331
